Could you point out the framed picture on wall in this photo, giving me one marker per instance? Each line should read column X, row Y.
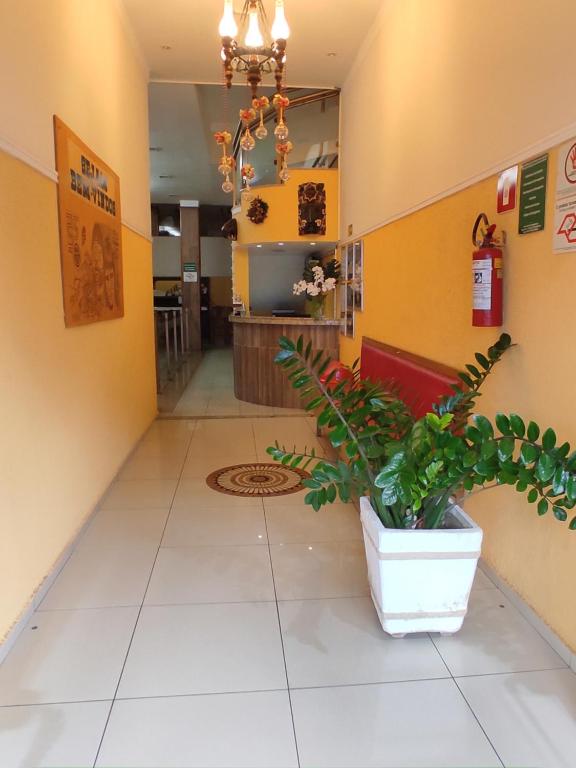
column 349, row 287
column 343, row 303
column 90, row 225
column 358, row 278
column 351, row 290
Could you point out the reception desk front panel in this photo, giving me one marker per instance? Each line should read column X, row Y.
column 257, row 379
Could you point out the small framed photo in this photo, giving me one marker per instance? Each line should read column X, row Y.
column 358, row 276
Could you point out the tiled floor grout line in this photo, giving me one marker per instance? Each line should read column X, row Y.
column 142, row 603
column 191, row 694
column 474, row 715
column 280, row 627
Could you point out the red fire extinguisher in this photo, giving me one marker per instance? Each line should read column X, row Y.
column 487, row 268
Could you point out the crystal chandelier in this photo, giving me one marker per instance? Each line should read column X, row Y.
column 258, row 55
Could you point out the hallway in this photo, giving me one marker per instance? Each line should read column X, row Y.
column 210, row 392
column 192, row 628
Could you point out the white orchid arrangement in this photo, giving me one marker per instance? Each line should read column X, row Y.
column 320, row 284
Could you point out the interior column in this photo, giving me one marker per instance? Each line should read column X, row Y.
column 190, row 268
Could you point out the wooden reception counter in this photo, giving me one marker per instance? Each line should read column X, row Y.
column 257, row 379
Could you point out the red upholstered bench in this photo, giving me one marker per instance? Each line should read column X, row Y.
column 421, row 382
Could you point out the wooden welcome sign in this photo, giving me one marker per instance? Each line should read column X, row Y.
column 90, row 232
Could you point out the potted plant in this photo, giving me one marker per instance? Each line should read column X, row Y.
column 317, row 281
column 411, row 475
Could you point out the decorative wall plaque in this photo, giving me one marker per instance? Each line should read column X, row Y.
column 90, row 232
column 311, row 209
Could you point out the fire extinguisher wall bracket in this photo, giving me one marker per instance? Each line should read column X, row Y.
column 487, row 278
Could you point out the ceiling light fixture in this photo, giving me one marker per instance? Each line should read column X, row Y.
column 263, row 52
column 255, row 57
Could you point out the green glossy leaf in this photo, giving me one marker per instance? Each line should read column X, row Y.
column 351, row 450
column 505, row 448
column 563, row 450
column 338, row 435
column 517, row 424
column 473, row 434
column 482, row 361
column 286, row 343
column 542, row 507
column 489, row 449
column 549, row 439
column 559, row 481
column 506, row 478
column 503, row 424
column 331, row 494
column 283, row 355
column 572, row 525
column 474, row 371
column 483, row 468
column 533, row 431
column 484, row 425
column 571, row 487
column 466, row 379
column 532, row 495
column 299, row 383
column 545, row 467
column 529, row 453
column 559, row 514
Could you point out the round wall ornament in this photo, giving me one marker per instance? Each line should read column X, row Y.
column 257, row 211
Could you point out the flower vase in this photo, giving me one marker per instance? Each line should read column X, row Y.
column 317, row 307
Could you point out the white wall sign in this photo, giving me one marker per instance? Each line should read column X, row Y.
column 564, row 237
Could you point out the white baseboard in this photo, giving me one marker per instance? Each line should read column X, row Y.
column 40, row 593
column 565, row 653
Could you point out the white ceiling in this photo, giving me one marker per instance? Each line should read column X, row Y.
column 190, row 30
column 185, row 111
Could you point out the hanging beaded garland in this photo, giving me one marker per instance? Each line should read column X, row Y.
column 284, row 148
column 247, row 174
column 247, row 141
column 227, row 162
column 260, row 104
column 281, row 103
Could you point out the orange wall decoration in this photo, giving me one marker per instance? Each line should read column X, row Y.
column 90, row 224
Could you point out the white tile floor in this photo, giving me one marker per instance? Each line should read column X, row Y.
column 192, row 629
column 211, row 391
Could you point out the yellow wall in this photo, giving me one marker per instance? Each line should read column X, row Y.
column 418, row 297
column 77, row 59
column 281, row 223
column 241, row 273
column 74, row 400
column 445, row 90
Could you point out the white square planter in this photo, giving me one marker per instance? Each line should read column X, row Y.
column 421, row 579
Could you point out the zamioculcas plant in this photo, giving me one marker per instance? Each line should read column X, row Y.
column 413, row 469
